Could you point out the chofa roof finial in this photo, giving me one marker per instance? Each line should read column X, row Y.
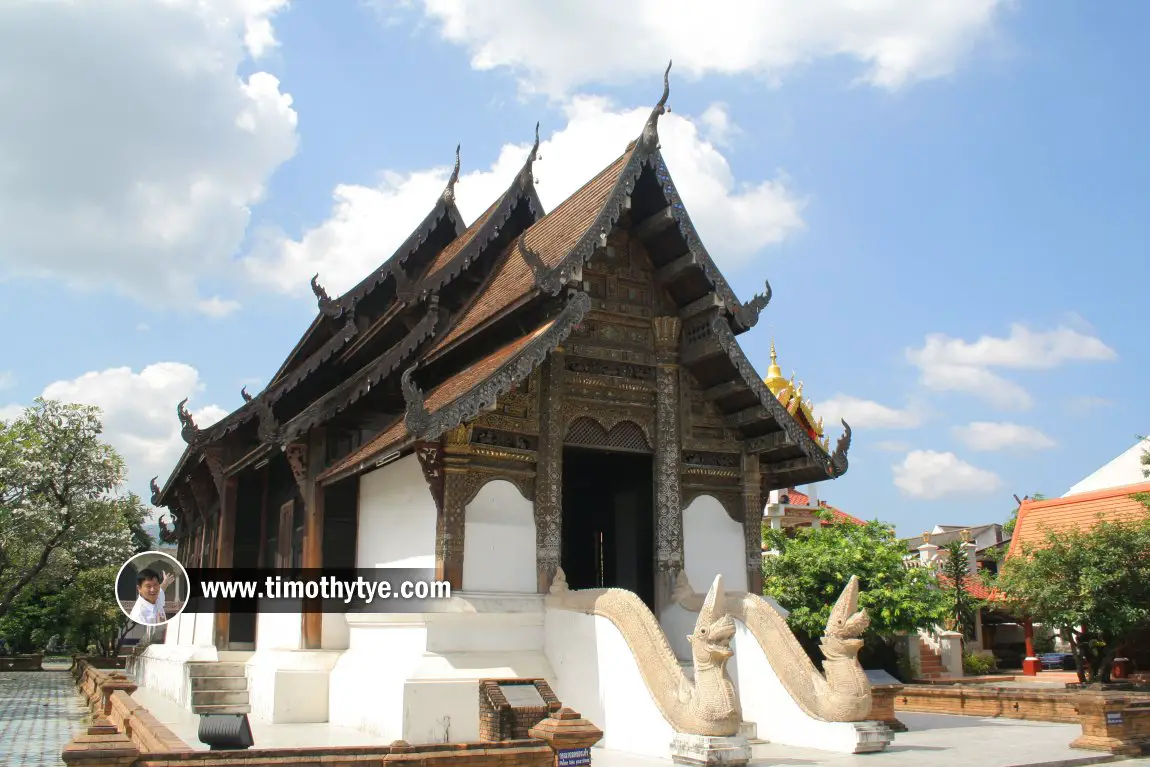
column 449, row 191
column 527, row 174
column 650, row 137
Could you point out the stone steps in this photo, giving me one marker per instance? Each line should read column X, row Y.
column 219, row 687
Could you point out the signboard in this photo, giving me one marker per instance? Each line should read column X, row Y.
column 1113, row 717
column 522, row 695
column 879, row 677
column 574, row 757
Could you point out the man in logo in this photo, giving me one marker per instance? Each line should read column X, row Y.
column 149, row 607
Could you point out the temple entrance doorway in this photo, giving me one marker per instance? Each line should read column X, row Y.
column 608, row 521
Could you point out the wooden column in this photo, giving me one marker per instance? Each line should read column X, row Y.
column 451, row 524
column 668, row 453
column 225, row 537
column 753, row 521
column 306, row 460
column 549, row 472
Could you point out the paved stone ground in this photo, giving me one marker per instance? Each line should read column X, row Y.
column 40, row 712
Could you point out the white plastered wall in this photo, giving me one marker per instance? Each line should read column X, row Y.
column 499, row 541
column 396, row 525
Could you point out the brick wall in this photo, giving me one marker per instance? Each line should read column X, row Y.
column 1008, row 703
column 498, row 720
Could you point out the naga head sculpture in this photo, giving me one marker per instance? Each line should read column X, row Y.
column 714, row 629
column 846, row 624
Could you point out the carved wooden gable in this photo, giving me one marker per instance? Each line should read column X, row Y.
column 703, row 426
column 610, row 358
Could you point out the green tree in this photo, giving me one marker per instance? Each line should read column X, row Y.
column 961, row 607
column 1094, row 584
column 58, row 514
column 86, row 614
column 810, row 570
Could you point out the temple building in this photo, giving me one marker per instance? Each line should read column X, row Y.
column 533, row 392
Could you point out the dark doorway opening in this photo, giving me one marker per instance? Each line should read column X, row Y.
column 608, row 521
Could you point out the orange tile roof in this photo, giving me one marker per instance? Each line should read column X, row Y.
column 1078, row 511
column 439, row 397
column 802, row 499
column 459, row 243
column 971, row 585
column 552, row 237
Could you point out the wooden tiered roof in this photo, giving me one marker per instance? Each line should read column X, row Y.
column 466, row 313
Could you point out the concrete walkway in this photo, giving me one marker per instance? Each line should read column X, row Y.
column 40, row 711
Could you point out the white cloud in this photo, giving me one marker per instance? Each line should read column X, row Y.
column 7, row 379
column 990, row 435
column 891, row 446
column 559, row 46
column 10, row 413
column 367, row 224
column 865, row 413
column 952, row 364
column 931, row 475
column 139, row 413
column 139, row 150
column 720, row 128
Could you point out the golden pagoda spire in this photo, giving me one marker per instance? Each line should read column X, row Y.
column 774, row 380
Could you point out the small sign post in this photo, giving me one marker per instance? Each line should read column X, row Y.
column 574, row 757
column 1113, row 717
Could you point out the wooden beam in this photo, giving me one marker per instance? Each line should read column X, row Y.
column 768, row 442
column 698, row 306
column 746, row 416
column 671, row 271
column 654, row 224
column 725, row 389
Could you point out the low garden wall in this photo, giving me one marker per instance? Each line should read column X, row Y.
column 1115, row 722
column 980, row 700
column 21, row 663
column 125, row 734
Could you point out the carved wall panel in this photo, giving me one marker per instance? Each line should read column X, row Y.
column 607, row 417
column 517, row 410
column 623, row 435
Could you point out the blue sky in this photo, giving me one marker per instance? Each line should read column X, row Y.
column 949, row 200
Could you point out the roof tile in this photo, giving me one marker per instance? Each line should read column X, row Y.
column 1073, row 512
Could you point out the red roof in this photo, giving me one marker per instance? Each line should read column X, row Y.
column 971, row 585
column 1079, row 511
column 802, row 499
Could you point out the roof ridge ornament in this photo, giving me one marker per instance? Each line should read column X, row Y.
column 527, row 173
column 547, row 279
column 449, row 190
column 650, row 135
column 156, row 492
column 244, row 393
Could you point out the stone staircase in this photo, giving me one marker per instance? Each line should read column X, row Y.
column 930, row 662
column 218, row 687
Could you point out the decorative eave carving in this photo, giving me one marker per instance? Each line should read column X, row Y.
column 430, row 456
column 359, row 384
column 167, row 534
column 156, row 492
column 747, row 314
column 268, row 431
column 188, row 429
column 429, row 426
column 297, row 458
column 547, row 280
column 215, row 460
column 327, row 306
column 835, row 466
